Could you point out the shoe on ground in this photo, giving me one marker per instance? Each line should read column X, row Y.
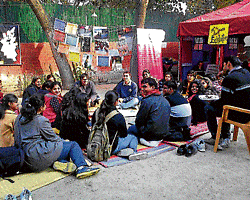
column 200, row 144
column 138, row 156
column 25, row 195
column 10, row 197
column 225, row 143
column 210, row 141
column 125, row 152
column 83, row 172
column 66, row 167
column 191, row 150
column 182, row 150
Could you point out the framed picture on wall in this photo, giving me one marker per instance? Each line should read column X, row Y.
column 103, row 61
column 10, row 51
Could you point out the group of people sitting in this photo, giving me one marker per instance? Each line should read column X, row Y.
column 166, row 110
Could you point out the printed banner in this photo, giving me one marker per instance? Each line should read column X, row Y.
column 100, row 32
column 84, row 31
column 71, row 40
column 59, row 25
column 74, row 57
column 71, row 28
column 218, row 34
column 63, row 48
column 59, row 36
column 149, row 52
column 10, row 52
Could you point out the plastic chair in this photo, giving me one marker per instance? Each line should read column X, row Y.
column 245, row 127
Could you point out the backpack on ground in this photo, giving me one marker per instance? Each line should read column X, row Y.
column 11, row 161
column 99, row 148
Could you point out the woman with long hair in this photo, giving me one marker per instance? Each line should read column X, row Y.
column 124, row 144
column 42, row 147
column 197, row 105
column 74, row 120
column 53, row 102
column 9, row 105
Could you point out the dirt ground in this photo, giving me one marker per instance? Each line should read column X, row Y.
column 205, row 175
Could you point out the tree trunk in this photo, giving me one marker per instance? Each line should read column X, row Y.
column 140, row 14
column 62, row 64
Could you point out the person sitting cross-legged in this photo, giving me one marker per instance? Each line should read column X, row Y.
column 152, row 119
column 127, row 91
column 180, row 116
column 124, row 144
column 42, row 147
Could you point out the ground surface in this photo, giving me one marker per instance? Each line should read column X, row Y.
column 205, row 175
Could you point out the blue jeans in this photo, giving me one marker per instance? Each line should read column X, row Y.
column 130, row 104
column 71, row 149
column 127, row 142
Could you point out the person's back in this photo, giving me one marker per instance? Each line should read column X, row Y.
column 74, row 120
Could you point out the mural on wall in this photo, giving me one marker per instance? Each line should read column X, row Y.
column 10, row 52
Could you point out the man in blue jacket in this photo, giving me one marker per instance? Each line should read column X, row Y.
column 152, row 119
column 127, row 92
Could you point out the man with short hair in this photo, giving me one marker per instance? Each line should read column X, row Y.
column 152, row 119
column 88, row 87
column 235, row 92
column 127, row 92
column 180, row 116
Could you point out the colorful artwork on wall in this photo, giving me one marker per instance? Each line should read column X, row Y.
column 10, row 52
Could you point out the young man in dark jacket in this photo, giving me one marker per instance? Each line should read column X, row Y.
column 152, row 119
column 235, row 92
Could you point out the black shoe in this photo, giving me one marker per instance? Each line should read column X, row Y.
column 182, row 150
column 191, row 150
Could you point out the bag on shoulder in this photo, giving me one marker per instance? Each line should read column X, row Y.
column 99, row 148
column 11, row 160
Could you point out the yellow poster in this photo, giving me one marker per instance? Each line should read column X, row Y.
column 74, row 57
column 218, row 34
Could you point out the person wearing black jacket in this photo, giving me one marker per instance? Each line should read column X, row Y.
column 235, row 92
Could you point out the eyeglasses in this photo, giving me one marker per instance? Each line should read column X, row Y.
column 144, row 86
column 126, row 75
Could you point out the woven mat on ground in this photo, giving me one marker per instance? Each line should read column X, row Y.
column 30, row 181
column 195, row 132
column 152, row 151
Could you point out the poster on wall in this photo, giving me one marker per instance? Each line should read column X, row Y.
column 125, row 39
column 59, row 36
column 85, row 31
column 71, row 28
column 85, row 44
column 71, row 40
column 101, row 46
column 74, row 57
column 103, row 61
column 10, row 52
column 149, row 51
column 100, row 32
column 87, row 61
column 59, row 25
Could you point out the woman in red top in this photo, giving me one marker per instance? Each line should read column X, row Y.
column 53, row 103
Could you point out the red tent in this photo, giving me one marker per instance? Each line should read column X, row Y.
column 236, row 15
column 238, row 18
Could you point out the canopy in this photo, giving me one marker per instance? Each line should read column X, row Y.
column 236, row 15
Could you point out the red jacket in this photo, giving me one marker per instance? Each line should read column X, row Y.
column 53, row 103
